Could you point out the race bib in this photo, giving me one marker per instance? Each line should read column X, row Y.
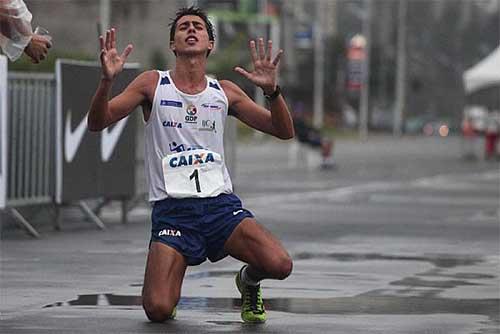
column 194, row 173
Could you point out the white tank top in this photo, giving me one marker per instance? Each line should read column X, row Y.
column 182, row 122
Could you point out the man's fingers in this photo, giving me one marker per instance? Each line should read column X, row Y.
column 277, row 58
column 262, row 53
column 102, row 56
column 126, row 52
column 113, row 38
column 242, row 72
column 253, row 51
column 269, row 50
column 101, row 42
column 108, row 39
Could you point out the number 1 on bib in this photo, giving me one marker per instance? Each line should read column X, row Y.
column 196, row 180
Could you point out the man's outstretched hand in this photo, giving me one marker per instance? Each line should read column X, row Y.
column 112, row 62
column 265, row 70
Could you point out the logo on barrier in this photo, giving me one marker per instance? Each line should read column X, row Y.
column 74, row 138
column 110, row 138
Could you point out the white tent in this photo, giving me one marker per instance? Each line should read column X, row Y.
column 483, row 74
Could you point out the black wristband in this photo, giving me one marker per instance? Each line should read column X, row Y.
column 274, row 94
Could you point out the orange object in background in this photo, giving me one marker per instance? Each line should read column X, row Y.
column 467, row 129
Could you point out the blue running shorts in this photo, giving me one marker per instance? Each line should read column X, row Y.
column 197, row 227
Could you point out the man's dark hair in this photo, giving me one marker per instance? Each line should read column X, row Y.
column 192, row 11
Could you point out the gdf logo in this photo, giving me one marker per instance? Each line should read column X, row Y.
column 191, row 112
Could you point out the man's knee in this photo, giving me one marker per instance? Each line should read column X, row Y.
column 157, row 310
column 283, row 267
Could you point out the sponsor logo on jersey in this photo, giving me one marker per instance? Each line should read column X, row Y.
column 191, row 114
column 191, row 110
column 211, row 107
column 183, row 147
column 191, row 159
column 171, row 103
column 207, row 125
column 172, row 124
column 215, row 107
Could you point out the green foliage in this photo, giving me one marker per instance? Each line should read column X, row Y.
column 222, row 62
column 158, row 59
column 24, row 63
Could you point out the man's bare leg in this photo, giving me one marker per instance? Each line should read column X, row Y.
column 165, row 270
column 251, row 243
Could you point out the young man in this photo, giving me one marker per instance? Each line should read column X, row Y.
column 195, row 214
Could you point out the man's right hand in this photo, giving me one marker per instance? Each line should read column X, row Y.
column 38, row 48
column 111, row 62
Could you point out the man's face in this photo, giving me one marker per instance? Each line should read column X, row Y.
column 191, row 36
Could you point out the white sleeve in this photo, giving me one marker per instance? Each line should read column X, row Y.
column 15, row 27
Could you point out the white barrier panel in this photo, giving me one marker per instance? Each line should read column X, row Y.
column 3, row 130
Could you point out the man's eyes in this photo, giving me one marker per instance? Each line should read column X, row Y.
column 197, row 26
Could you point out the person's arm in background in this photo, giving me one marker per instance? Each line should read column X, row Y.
column 16, row 35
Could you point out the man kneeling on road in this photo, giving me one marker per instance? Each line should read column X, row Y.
column 195, row 213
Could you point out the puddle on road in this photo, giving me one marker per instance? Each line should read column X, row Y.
column 417, row 282
column 375, row 302
column 366, row 304
column 441, row 261
column 460, row 276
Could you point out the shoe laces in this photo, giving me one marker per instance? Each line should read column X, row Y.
column 253, row 299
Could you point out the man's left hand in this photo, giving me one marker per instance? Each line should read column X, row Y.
column 265, row 71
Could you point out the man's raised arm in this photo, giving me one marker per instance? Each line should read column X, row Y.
column 102, row 111
column 277, row 121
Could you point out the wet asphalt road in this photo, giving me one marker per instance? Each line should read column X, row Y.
column 403, row 237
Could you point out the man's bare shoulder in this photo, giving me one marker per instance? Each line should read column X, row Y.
column 145, row 83
column 148, row 78
column 232, row 90
column 230, row 86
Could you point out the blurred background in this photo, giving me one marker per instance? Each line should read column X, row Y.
column 413, row 54
column 400, row 234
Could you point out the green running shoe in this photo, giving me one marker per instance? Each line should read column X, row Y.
column 174, row 313
column 252, row 306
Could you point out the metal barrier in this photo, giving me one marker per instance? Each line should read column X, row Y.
column 31, row 139
column 31, row 143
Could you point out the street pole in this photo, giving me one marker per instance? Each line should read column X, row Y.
column 319, row 61
column 258, row 95
column 365, row 86
column 104, row 15
column 401, row 72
